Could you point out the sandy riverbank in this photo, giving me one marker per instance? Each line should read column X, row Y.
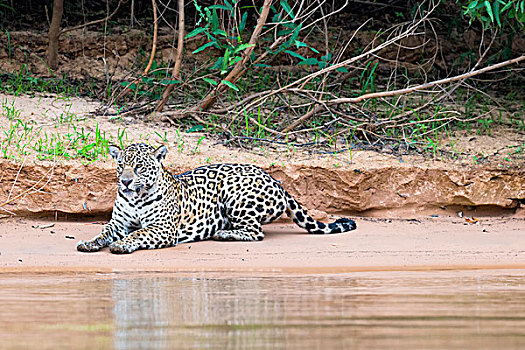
column 426, row 243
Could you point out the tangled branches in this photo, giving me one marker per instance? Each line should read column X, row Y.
column 338, row 93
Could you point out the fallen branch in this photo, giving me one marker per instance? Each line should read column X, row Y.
column 239, row 68
column 424, row 86
column 32, row 188
column 16, row 178
column 320, row 107
column 80, row 26
column 317, row 108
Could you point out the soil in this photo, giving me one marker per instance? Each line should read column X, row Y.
column 351, row 182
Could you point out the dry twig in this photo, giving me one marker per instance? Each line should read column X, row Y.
column 80, row 26
column 178, row 60
column 320, row 107
column 127, row 89
column 426, row 85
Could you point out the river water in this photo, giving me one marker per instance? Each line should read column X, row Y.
column 404, row 310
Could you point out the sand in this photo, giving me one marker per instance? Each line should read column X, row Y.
column 427, row 243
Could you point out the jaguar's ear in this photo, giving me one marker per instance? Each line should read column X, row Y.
column 160, row 153
column 114, row 151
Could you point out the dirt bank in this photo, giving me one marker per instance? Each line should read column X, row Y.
column 428, row 243
column 393, row 189
column 350, row 182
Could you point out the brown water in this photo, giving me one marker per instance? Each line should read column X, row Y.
column 465, row 309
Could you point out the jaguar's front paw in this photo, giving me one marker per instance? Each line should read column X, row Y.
column 223, row 236
column 88, row 247
column 121, row 248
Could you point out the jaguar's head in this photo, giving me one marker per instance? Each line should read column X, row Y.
column 138, row 168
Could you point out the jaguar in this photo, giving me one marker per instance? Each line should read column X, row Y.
column 224, row 202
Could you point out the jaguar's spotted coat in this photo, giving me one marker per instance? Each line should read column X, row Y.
column 155, row 209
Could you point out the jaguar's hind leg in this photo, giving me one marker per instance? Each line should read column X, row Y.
column 245, row 230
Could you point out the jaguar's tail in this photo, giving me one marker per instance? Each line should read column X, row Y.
column 303, row 220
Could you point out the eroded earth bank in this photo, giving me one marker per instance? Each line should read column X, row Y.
column 413, row 211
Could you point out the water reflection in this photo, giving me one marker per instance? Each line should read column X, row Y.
column 364, row 310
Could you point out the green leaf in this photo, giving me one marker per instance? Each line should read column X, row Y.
column 294, row 54
column 299, row 44
column 205, row 46
column 229, row 6
column 242, row 25
column 287, row 8
column 220, row 32
column 295, row 33
column 284, row 32
column 154, row 65
column 289, row 25
column 195, row 32
column 169, row 82
column 342, row 69
column 496, row 13
column 506, row 7
column 211, row 81
column 242, row 47
column 472, row 5
column 219, row 7
column 218, row 63
column 195, row 128
column 326, row 57
column 235, row 60
column 7, row 7
column 309, row 61
column 225, row 61
column 214, row 20
column 126, row 83
column 489, row 10
column 230, row 84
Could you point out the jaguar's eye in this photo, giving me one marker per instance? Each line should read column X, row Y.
column 138, row 166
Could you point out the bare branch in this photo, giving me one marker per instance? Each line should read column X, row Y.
column 239, row 68
column 127, row 89
column 178, row 60
column 426, row 85
column 154, row 45
column 80, row 26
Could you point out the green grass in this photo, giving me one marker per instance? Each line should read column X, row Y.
column 25, row 82
column 21, row 138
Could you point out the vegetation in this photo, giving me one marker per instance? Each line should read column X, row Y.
column 292, row 72
column 22, row 137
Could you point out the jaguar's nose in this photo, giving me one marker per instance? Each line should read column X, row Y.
column 126, row 182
